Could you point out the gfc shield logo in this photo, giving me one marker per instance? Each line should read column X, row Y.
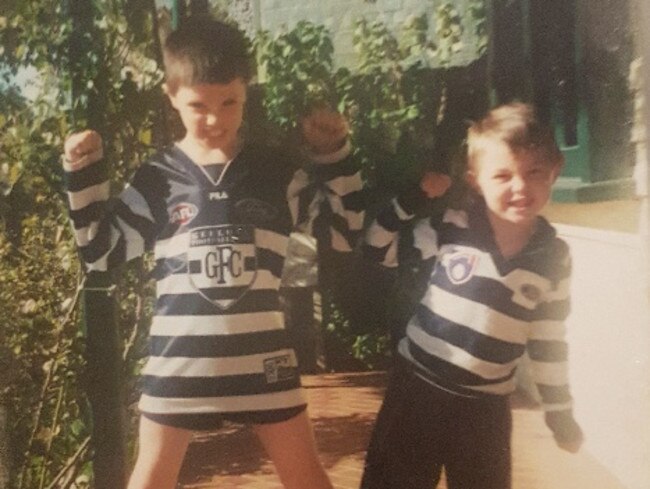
column 222, row 262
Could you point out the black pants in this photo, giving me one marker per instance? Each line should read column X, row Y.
column 420, row 429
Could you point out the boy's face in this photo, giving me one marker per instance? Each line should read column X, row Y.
column 515, row 186
column 212, row 113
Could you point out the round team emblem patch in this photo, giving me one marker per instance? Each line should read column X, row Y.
column 460, row 267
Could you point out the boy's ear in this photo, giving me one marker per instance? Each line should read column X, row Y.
column 557, row 169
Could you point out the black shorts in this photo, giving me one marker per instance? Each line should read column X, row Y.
column 214, row 421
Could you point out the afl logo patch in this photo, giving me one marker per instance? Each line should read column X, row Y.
column 460, row 267
column 255, row 211
column 183, row 213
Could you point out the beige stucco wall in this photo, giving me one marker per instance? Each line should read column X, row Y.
column 609, row 338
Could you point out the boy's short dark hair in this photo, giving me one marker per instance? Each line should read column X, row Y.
column 516, row 125
column 205, row 50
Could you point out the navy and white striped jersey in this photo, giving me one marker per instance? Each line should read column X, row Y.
column 217, row 339
column 480, row 312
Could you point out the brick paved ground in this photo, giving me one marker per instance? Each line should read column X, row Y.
column 343, row 408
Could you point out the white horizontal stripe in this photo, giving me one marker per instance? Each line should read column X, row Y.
column 94, row 193
column 83, row 236
column 378, row 236
column 212, row 367
column 273, row 241
column 455, row 217
column 550, row 373
column 500, row 388
column 179, row 283
column 258, row 402
column 134, row 240
column 339, row 243
column 457, row 356
column 425, row 239
column 402, row 215
column 101, row 264
column 476, row 316
column 174, row 246
column 136, row 202
column 346, row 184
column 354, row 219
column 547, row 330
column 216, row 325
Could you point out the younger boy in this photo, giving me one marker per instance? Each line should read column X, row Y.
column 217, row 211
column 498, row 288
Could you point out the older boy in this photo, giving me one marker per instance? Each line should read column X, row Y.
column 499, row 287
column 217, row 211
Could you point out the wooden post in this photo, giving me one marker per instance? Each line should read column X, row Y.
column 104, row 381
column 103, row 348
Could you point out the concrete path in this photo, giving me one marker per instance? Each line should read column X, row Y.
column 343, row 409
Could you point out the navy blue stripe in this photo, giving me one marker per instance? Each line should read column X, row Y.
column 548, row 351
column 195, row 305
column 142, row 225
column 486, row 291
column 100, row 245
column 88, row 176
column 218, row 345
column 375, row 253
column 83, row 217
column 233, row 385
column 271, row 261
column 223, row 293
column 477, row 344
column 452, row 374
column 354, row 201
column 389, row 220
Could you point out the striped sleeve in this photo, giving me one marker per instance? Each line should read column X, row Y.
column 548, row 351
column 327, row 200
column 382, row 236
column 109, row 231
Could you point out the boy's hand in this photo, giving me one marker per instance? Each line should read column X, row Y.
column 571, row 446
column 435, row 184
column 324, row 130
column 82, row 148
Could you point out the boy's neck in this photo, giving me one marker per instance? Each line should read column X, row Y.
column 511, row 238
column 207, row 156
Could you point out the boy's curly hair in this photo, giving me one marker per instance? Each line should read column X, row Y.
column 517, row 125
column 205, row 50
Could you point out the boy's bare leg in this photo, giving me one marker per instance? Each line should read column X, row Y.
column 161, row 450
column 292, row 448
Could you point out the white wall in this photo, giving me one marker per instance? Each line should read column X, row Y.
column 609, row 338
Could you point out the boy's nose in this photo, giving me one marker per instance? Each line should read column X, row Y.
column 518, row 183
column 211, row 119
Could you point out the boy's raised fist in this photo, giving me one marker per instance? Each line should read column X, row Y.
column 82, row 148
column 324, row 130
column 435, row 184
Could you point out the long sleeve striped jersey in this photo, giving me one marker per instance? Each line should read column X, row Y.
column 480, row 312
column 217, row 339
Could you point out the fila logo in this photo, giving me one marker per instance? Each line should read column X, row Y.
column 183, row 213
column 218, row 195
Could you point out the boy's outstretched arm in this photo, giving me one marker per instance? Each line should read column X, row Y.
column 327, row 198
column 548, row 352
column 381, row 238
column 108, row 232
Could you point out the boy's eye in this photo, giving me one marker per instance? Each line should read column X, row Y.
column 501, row 177
column 229, row 102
